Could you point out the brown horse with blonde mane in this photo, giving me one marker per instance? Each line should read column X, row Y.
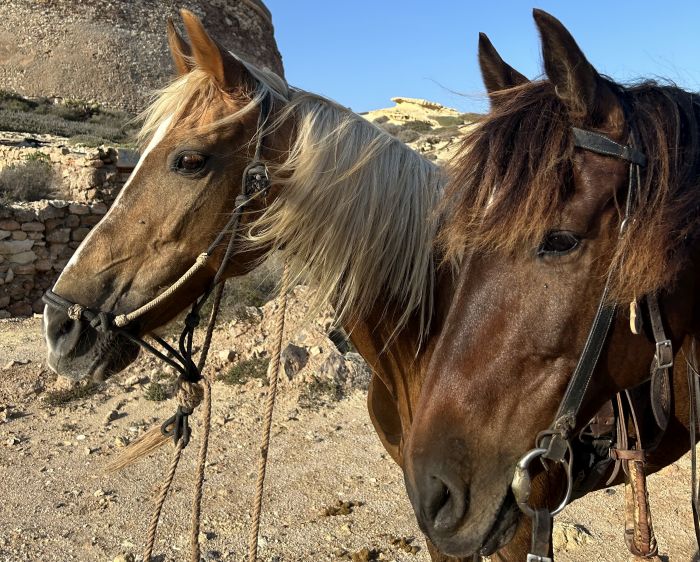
column 575, row 200
column 350, row 208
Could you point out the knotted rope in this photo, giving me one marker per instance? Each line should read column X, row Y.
column 189, row 396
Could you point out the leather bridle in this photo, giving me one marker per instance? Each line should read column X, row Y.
column 255, row 183
column 554, row 445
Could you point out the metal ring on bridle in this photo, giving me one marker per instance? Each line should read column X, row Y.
column 522, row 483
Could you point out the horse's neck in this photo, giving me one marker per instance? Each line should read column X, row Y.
column 399, row 359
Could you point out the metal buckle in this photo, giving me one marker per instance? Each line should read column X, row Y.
column 536, row 558
column 257, row 178
column 664, row 354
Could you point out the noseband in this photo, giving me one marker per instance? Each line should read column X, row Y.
column 555, row 444
column 255, row 183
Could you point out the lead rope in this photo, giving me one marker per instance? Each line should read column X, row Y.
column 273, row 376
column 192, row 394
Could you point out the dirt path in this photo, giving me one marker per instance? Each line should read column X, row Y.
column 57, row 503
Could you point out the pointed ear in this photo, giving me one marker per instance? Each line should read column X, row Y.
column 497, row 74
column 226, row 69
column 179, row 49
column 586, row 94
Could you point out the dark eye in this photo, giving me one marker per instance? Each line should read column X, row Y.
column 190, row 162
column 557, row 243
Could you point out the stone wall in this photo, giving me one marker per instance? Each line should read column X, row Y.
column 36, row 242
column 83, row 173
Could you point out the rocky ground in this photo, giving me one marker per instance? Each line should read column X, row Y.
column 332, row 492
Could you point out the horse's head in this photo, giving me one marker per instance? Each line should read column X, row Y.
column 537, row 215
column 201, row 134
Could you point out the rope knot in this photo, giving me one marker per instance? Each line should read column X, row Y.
column 75, row 312
column 189, row 395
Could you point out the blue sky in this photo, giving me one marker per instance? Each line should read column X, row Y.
column 362, row 53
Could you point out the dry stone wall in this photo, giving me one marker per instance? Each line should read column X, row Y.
column 36, row 242
column 82, row 173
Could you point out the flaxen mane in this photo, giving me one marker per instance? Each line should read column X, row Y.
column 514, row 173
column 354, row 216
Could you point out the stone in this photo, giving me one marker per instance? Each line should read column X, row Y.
column 15, row 246
column 9, row 276
column 60, row 235
column 33, row 227
column 127, row 159
column 5, row 234
column 567, row 536
column 294, row 359
column 22, row 258
column 19, row 235
column 43, row 265
column 9, row 225
column 20, row 309
column 79, row 234
column 54, row 223
column 127, row 557
column 91, row 220
column 50, row 211
column 72, row 221
column 25, row 269
column 228, row 355
column 78, row 209
column 4, row 301
column 99, row 208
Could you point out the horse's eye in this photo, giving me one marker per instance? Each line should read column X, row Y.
column 557, row 243
column 190, row 162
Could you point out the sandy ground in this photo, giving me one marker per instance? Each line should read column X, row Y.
column 58, row 504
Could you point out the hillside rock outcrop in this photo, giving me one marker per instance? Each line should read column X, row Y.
column 114, row 52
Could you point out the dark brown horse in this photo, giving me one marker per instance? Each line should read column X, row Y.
column 536, row 215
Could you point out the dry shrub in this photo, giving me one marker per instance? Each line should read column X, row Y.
column 32, row 180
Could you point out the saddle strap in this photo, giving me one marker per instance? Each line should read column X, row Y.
column 660, row 366
column 639, row 530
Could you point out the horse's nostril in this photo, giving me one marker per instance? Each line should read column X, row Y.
column 443, row 502
column 65, row 327
column 62, row 332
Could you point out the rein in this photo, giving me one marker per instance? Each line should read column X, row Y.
column 555, row 444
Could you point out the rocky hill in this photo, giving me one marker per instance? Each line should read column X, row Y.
column 115, row 52
column 428, row 127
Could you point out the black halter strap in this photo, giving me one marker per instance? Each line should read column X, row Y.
column 595, row 142
column 565, row 419
column 554, row 444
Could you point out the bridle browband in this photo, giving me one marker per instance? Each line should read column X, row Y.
column 255, row 182
column 554, row 444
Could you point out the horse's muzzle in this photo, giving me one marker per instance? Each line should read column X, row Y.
column 77, row 350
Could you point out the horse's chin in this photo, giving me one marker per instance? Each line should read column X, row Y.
column 500, row 533
column 108, row 356
column 503, row 528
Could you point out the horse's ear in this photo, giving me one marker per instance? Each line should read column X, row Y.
column 577, row 83
column 227, row 70
column 179, row 49
column 497, row 74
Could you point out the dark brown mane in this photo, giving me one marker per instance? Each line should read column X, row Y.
column 513, row 174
